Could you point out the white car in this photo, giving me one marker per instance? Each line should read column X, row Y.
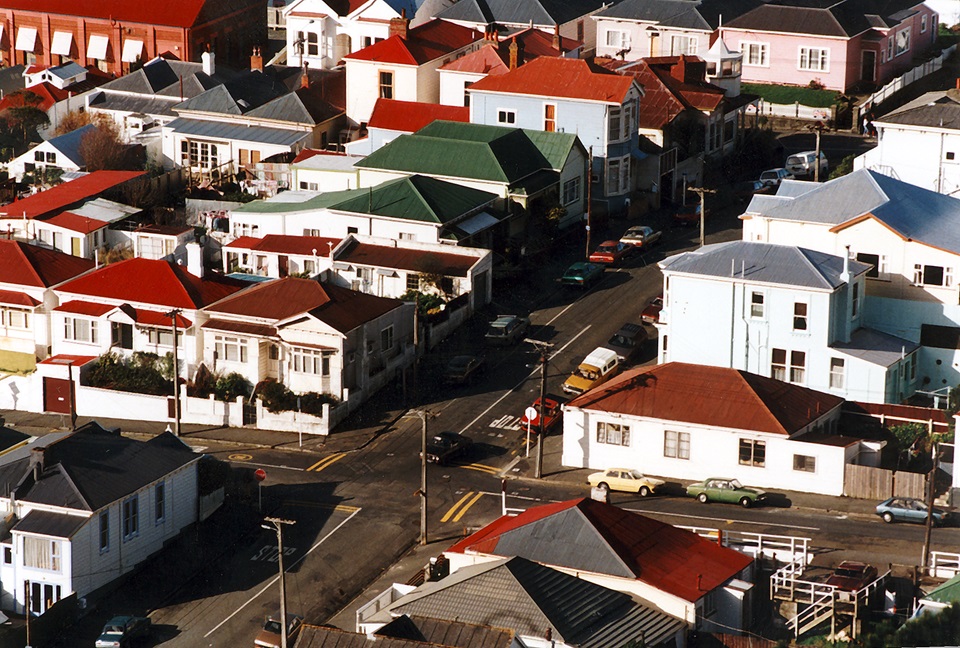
column 625, row 479
column 802, row 164
column 773, row 177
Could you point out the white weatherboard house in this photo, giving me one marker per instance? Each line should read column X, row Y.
column 692, row 422
column 781, row 311
column 909, row 236
column 83, row 508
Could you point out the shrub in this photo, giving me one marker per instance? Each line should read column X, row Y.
column 277, row 398
column 141, row 374
column 231, row 386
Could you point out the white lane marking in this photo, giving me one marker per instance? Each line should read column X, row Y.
column 517, row 386
column 703, row 517
column 263, row 465
column 506, row 422
column 277, row 577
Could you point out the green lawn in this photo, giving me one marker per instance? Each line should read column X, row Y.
column 782, row 94
column 17, row 363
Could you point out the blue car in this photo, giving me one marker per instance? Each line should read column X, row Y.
column 908, row 509
column 582, row 274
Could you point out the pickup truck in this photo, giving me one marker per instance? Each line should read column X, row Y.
column 123, row 631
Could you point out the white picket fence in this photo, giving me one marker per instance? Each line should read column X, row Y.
column 911, row 76
column 794, row 111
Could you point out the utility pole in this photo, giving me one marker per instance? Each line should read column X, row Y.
column 589, row 196
column 931, row 491
column 176, row 373
column 818, row 129
column 702, row 192
column 544, row 349
column 423, row 477
column 276, row 524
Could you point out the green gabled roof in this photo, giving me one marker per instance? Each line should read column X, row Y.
column 418, row 198
column 555, row 147
column 948, row 592
column 283, row 204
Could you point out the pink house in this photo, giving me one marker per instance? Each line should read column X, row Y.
column 843, row 45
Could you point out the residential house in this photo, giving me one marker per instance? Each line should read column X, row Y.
column 687, row 421
column 906, row 233
column 28, row 276
column 409, row 208
column 278, row 255
column 310, row 336
column 404, row 66
column 540, row 604
column 782, row 311
column 919, row 143
column 392, row 118
column 674, row 571
column 569, row 19
column 529, row 170
column 571, row 96
column 56, row 90
column 315, row 170
column 86, row 507
column 164, row 242
column 130, row 306
column 115, row 35
column 62, row 153
column 838, row 45
column 500, row 53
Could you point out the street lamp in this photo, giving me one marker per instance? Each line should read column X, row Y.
column 276, row 524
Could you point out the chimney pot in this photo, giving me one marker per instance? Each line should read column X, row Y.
column 256, row 60
column 400, row 26
column 556, row 39
column 305, row 77
column 514, row 51
column 208, row 60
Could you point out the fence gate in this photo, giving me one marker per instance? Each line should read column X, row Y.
column 250, row 414
column 867, row 482
column 57, row 395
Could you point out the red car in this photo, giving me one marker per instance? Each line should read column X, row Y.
column 688, row 214
column 651, row 314
column 611, row 253
column 552, row 415
column 852, row 576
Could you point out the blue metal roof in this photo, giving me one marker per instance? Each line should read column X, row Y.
column 230, row 131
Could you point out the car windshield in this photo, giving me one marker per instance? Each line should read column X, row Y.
column 609, row 249
column 589, row 374
column 636, row 474
column 619, row 340
column 735, row 484
column 113, row 629
column 272, row 626
column 850, row 572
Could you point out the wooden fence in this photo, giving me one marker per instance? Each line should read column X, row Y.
column 867, row 482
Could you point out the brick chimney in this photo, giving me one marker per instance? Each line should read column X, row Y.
column 400, row 26
column 679, row 71
column 514, row 52
column 305, row 77
column 490, row 36
column 256, row 60
column 557, row 43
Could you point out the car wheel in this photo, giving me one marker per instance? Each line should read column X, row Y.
column 745, row 502
column 887, row 517
column 604, row 487
column 702, row 498
column 644, row 491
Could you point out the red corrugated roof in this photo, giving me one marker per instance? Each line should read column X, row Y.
column 173, row 13
column 423, row 44
column 31, row 265
column 160, row 320
column 149, row 281
column 702, row 395
column 76, row 223
column 411, row 116
column 13, row 298
column 672, row 560
column 68, row 194
column 247, row 328
column 285, row 244
column 495, row 59
column 78, row 307
column 560, row 77
column 68, row 359
column 446, row 263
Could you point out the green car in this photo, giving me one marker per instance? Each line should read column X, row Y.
column 582, row 274
column 721, row 489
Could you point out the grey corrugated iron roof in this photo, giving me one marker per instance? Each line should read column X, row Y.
column 530, row 597
column 67, row 70
column 240, row 132
column 536, row 12
column 843, row 18
column 441, row 632
column 764, row 263
column 57, row 525
column 875, row 347
column 938, row 109
column 913, row 212
column 703, row 15
column 146, row 104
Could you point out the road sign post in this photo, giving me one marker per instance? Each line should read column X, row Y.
column 531, row 414
column 260, row 474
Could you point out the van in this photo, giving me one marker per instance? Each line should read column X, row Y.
column 802, row 164
column 628, row 341
column 597, row 368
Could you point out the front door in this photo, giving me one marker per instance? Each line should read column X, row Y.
column 284, row 263
column 868, row 68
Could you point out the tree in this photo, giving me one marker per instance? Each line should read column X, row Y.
column 76, row 119
column 102, row 148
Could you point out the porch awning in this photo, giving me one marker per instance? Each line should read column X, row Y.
column 26, row 39
column 62, row 43
column 14, row 298
column 132, row 50
column 245, row 328
column 476, row 223
column 97, row 47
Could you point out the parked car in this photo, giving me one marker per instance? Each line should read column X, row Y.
column 582, row 274
column 597, row 368
column 462, row 369
column 802, row 165
column 744, row 191
column 773, row 177
column 552, row 415
column 852, row 576
column 625, row 479
column 688, row 214
column 641, row 236
column 611, row 253
column 507, row 329
column 446, row 446
column 721, row 489
column 908, row 509
column 628, row 341
column 269, row 636
column 123, row 631
column 651, row 313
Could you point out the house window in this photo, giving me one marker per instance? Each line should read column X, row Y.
column 309, row 186
column 413, row 281
column 923, row 24
column 683, row 45
column 799, row 316
column 15, row 318
column 41, row 553
column 950, row 156
column 230, row 349
column 804, row 463
column 407, row 236
column 837, row 371
column 618, row 38
column 676, row 445
column 903, row 41
column 131, row 517
column 466, row 95
column 506, row 116
column 386, row 338
column 160, row 337
column 930, row 275
column 814, row 59
column 8, row 555
column 386, row 85
column 199, row 154
column 890, row 48
column 798, row 366
column 878, row 263
column 571, row 191
column 855, row 301
column 756, row 304
column 550, row 118
column 753, row 453
column 104, row 531
column 614, row 133
column 912, row 358
column 38, row 156
column 309, row 43
column 159, row 503
column 755, row 54
column 613, row 433
column 618, row 175
column 778, row 364
column 311, row 361
column 80, row 330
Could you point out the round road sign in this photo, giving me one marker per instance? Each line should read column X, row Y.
column 260, row 474
column 531, row 414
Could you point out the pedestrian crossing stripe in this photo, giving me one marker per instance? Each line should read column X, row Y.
column 506, row 422
column 326, row 462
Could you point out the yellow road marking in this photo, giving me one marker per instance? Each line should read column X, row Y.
column 343, row 508
column 454, row 508
column 481, row 468
column 326, row 462
column 240, row 457
column 467, row 506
